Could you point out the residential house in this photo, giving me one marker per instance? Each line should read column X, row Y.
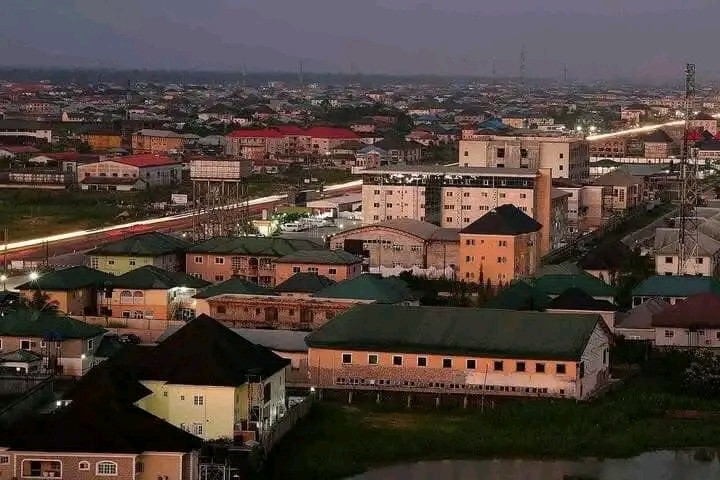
column 706, row 259
column 636, row 323
column 672, row 288
column 237, row 386
column 157, row 141
column 694, row 322
column 554, row 284
column 401, row 244
column 469, row 352
column 73, row 290
column 371, row 156
column 606, row 260
column 574, row 300
column 123, row 172
column 337, row 265
column 303, row 302
column 66, row 345
column 98, row 437
column 152, row 248
column 658, row 144
column 621, row 191
column 152, row 293
column 102, row 140
column 250, row 258
column 499, row 247
column 401, row 151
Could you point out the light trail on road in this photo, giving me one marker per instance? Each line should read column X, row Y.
column 631, row 131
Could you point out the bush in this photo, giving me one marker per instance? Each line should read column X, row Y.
column 702, row 377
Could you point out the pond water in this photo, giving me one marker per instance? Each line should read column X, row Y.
column 702, row 464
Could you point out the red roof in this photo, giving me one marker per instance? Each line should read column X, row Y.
column 256, row 133
column 145, row 160
column 698, row 311
column 332, row 132
column 695, row 136
column 292, row 130
column 19, row 149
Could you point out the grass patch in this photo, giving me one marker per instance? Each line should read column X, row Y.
column 337, row 441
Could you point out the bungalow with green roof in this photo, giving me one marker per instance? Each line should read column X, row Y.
column 337, row 265
column 413, row 351
column 519, row 295
column 151, row 293
column 553, row 285
column 672, row 288
column 66, row 345
column 152, row 248
column 250, row 258
column 74, row 290
column 239, row 303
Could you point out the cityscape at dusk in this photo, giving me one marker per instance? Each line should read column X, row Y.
column 359, row 240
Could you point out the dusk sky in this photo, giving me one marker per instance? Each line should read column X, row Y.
column 638, row 39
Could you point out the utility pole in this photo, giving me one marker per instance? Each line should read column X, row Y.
column 5, row 252
column 565, row 75
column 688, row 232
column 300, row 73
column 523, row 65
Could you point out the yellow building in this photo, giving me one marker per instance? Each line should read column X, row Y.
column 153, row 248
column 238, row 389
column 102, row 140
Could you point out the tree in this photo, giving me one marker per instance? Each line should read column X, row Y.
column 703, row 374
column 41, row 301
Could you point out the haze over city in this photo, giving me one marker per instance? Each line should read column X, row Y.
column 644, row 40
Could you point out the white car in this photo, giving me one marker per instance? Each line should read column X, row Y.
column 293, row 227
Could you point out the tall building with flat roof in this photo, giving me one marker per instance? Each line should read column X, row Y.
column 565, row 155
column 454, row 197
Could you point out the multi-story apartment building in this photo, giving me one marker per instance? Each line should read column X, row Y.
column 566, row 156
column 101, row 140
column 156, row 141
column 286, row 140
column 454, row 197
column 614, row 147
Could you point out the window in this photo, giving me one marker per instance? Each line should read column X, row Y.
column 131, row 263
column 500, row 153
column 220, row 309
column 605, row 352
column 165, row 394
column 502, row 260
column 91, row 344
column 498, row 365
column 346, row 358
column 539, row 368
column 581, row 369
column 523, row 195
column 388, row 205
column 448, row 219
column 219, row 260
column 332, row 271
column 470, row 242
column 448, row 194
column 139, row 467
column 376, row 205
column 560, row 167
column 560, row 369
column 26, row 344
column 197, row 428
column 669, row 334
column 502, row 243
column 397, row 360
column 668, row 259
column 469, row 258
column 106, row 468
column 447, row 363
column 470, row 364
column 111, row 262
column 312, row 269
column 198, row 400
column 523, row 153
column 422, row 361
column 372, row 359
column 465, row 153
column 81, row 466
column 296, row 269
column 562, row 155
column 519, row 366
column 219, row 278
column 699, row 260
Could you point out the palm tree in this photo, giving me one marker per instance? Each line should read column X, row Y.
column 40, row 301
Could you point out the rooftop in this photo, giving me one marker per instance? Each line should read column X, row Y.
column 261, row 246
column 324, row 257
column 554, row 284
column 304, row 282
column 150, row 277
column 236, row 286
column 451, row 330
column 519, row 295
column 696, row 312
column 151, row 244
column 73, row 278
column 23, row 322
column 145, row 160
column 369, row 287
column 676, row 286
column 453, row 170
column 503, row 220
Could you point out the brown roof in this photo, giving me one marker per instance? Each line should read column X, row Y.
column 619, row 177
column 698, row 311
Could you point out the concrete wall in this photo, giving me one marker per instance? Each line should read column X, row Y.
column 117, row 265
column 683, row 337
column 500, row 258
column 285, row 270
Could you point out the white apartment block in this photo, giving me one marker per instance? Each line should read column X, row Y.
column 566, row 156
column 454, row 197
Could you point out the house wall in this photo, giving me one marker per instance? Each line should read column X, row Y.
column 328, row 371
column 175, row 404
column 683, row 337
column 285, row 270
column 590, row 214
column 149, row 144
column 72, row 302
column 117, row 265
column 153, row 304
column 501, row 258
column 285, row 312
column 704, row 266
column 70, row 464
column 69, row 355
column 220, row 267
column 636, row 333
column 596, row 360
column 159, row 465
column 608, row 317
column 102, row 141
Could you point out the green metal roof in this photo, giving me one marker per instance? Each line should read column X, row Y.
column 109, row 346
column 234, row 285
column 34, row 323
column 23, row 356
column 151, row 277
column 304, row 282
column 151, row 244
column 261, row 246
column 556, row 284
column 72, row 278
column 369, row 287
column 461, row 331
column 675, row 286
column 326, row 257
column 519, row 295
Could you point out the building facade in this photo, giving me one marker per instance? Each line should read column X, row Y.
column 157, row 141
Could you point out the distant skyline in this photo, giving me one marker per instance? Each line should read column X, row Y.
column 643, row 40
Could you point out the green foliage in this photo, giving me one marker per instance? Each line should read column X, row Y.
column 702, row 376
column 40, row 301
column 636, row 268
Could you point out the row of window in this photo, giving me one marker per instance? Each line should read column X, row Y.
column 471, row 258
column 700, row 333
column 32, row 344
column 53, row 468
column 331, row 271
column 443, row 385
column 470, row 363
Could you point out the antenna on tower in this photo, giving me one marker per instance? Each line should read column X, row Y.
column 244, row 74
column 494, row 70
column 300, row 73
column 565, row 74
column 523, row 64
column 688, row 233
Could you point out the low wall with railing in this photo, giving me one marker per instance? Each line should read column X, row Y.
column 275, row 433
